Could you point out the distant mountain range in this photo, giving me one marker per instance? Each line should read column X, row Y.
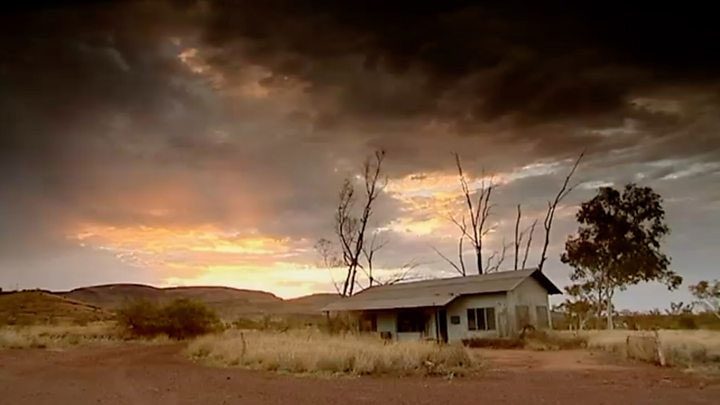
column 229, row 303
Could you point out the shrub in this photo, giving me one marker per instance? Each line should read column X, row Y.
column 140, row 318
column 687, row 322
column 550, row 340
column 180, row 319
column 183, row 319
column 494, row 343
column 530, row 339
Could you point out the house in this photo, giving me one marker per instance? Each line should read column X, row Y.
column 451, row 309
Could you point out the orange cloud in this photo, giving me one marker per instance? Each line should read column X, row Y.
column 202, row 255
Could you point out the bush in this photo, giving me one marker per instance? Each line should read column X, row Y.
column 494, row 343
column 550, row 340
column 183, row 319
column 180, row 319
column 140, row 318
column 687, row 322
column 530, row 339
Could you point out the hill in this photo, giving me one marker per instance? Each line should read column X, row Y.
column 30, row 307
column 309, row 304
column 229, row 303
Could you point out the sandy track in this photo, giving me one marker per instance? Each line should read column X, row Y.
column 134, row 374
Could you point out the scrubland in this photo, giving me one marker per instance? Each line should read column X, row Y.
column 141, row 321
column 312, row 351
column 681, row 348
column 39, row 320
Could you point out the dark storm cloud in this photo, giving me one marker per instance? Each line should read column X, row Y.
column 534, row 62
column 103, row 122
column 86, row 93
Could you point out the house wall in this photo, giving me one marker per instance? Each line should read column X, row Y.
column 529, row 293
column 459, row 308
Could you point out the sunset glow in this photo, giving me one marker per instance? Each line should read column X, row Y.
column 181, row 143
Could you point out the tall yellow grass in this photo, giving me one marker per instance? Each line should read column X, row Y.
column 56, row 336
column 684, row 348
column 310, row 351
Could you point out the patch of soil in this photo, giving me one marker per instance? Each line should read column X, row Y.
column 137, row 374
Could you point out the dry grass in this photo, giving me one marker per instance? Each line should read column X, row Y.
column 682, row 348
column 65, row 336
column 310, row 351
column 56, row 336
column 39, row 307
column 539, row 340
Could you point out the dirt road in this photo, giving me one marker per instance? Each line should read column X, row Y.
column 160, row 375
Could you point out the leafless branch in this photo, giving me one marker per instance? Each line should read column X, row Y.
column 518, row 236
column 369, row 251
column 552, row 206
column 328, row 259
column 529, row 242
column 449, row 261
column 401, row 275
column 461, row 260
column 478, row 211
column 495, row 267
column 351, row 230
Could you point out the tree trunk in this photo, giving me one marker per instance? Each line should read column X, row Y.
column 610, row 325
column 598, row 315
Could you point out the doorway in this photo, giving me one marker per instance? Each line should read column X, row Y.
column 442, row 324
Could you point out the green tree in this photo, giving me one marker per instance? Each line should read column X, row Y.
column 179, row 319
column 579, row 305
column 708, row 294
column 618, row 243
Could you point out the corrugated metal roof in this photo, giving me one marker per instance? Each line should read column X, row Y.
column 438, row 292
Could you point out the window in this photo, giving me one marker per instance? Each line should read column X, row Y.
column 481, row 318
column 455, row 320
column 410, row 321
column 368, row 322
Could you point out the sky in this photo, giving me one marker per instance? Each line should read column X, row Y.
column 205, row 142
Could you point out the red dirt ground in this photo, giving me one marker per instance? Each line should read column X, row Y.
column 134, row 374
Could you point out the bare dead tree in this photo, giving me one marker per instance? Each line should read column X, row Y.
column 328, row 259
column 518, row 236
column 449, row 261
column 460, row 266
column 530, row 232
column 552, row 206
column 479, row 212
column 345, row 229
column 461, row 260
column 369, row 253
column 351, row 230
column 489, row 267
column 403, row 274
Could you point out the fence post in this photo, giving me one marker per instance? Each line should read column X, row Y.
column 658, row 348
